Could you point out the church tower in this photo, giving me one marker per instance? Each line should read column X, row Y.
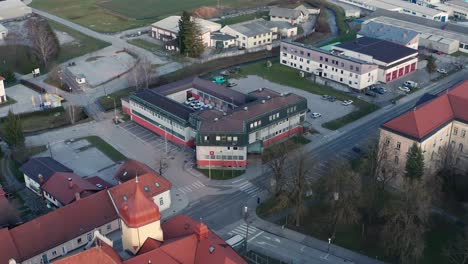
column 140, row 220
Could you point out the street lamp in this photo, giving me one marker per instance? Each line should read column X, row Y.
column 115, row 108
column 247, row 223
column 329, row 243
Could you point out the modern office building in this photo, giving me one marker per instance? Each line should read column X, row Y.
column 225, row 125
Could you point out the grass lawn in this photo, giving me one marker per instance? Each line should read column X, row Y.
column 459, row 53
column 144, row 44
column 83, row 44
column 104, row 147
column 242, row 18
column 118, row 15
column 108, row 103
column 288, row 76
column 266, row 206
column 221, row 174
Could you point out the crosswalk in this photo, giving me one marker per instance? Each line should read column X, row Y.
column 249, row 188
column 242, row 230
column 192, row 187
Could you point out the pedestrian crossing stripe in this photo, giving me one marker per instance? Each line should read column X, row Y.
column 248, row 188
column 191, row 187
column 242, row 229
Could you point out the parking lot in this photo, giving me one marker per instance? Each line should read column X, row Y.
column 149, row 137
column 328, row 110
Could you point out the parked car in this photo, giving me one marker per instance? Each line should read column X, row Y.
column 443, row 71
column 347, row 102
column 332, row 98
column 380, row 90
column 219, row 79
column 315, row 115
column 325, row 97
column 440, row 53
column 371, row 94
column 230, row 84
column 404, row 89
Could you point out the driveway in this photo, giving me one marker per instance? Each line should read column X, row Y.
column 329, row 110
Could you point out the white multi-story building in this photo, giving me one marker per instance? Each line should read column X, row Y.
column 250, row 34
column 355, row 73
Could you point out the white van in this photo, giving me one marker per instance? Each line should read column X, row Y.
column 411, row 84
column 236, row 241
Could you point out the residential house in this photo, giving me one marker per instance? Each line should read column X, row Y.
column 167, row 30
column 38, row 170
column 3, row 97
column 63, row 188
column 292, row 16
column 250, row 34
column 221, row 40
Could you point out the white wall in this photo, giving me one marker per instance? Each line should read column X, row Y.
column 32, row 185
column 275, row 128
column 204, row 151
column 166, row 200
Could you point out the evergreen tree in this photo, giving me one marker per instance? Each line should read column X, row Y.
column 14, row 136
column 431, row 66
column 414, row 163
column 189, row 40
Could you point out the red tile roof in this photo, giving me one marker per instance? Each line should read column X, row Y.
column 130, row 168
column 7, row 247
column 155, row 256
column 2, row 78
column 152, row 184
column 98, row 180
column 149, row 245
column 61, row 225
column 429, row 117
column 102, row 254
column 58, row 186
column 139, row 210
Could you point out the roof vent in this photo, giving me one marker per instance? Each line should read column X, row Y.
column 125, row 173
column 157, row 184
column 211, row 249
column 281, row 94
column 216, row 119
column 260, row 89
column 268, row 97
column 263, row 101
column 224, row 113
column 246, row 108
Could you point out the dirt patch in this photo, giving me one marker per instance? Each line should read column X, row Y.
column 206, row 12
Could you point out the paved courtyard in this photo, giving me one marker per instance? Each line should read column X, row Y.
column 23, row 97
column 329, row 110
column 103, row 65
column 84, row 159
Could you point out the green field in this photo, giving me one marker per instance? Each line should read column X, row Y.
column 119, row 15
column 144, row 44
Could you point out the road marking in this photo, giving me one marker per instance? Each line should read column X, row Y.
column 252, row 238
column 238, row 180
column 243, row 184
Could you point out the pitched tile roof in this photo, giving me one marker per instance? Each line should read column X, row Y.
column 46, row 166
column 61, row 225
column 7, row 247
column 250, row 28
column 130, row 168
column 152, row 184
column 285, row 12
column 430, row 116
column 381, row 50
column 98, row 180
column 100, row 254
column 58, row 186
column 148, row 245
column 139, row 210
column 388, row 32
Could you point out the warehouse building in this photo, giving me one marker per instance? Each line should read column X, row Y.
column 402, row 36
column 446, row 37
column 224, row 125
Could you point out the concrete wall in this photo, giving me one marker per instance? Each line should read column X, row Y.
column 180, row 97
column 133, row 238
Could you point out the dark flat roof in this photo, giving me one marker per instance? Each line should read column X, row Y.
column 46, row 166
column 166, row 104
column 205, row 86
column 381, row 50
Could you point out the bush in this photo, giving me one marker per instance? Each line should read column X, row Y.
column 33, row 86
column 9, row 76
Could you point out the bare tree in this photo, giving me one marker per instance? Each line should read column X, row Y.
column 276, row 159
column 299, row 185
column 406, row 222
column 12, row 40
column 162, row 165
column 457, row 252
column 342, row 189
column 142, row 74
column 45, row 45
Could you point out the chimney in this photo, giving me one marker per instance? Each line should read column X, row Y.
column 202, row 231
column 77, row 196
column 70, row 183
column 40, row 178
